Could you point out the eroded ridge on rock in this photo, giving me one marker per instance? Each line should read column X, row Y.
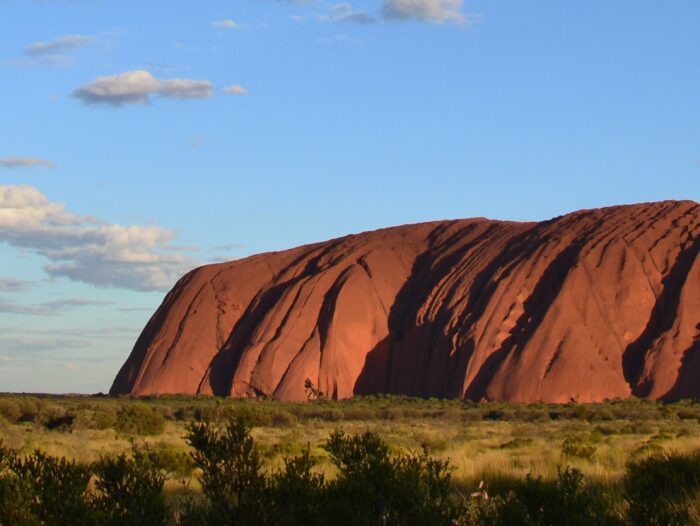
column 589, row 306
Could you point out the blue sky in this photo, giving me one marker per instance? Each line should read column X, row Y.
column 140, row 139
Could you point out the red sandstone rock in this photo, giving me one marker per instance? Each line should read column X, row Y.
column 593, row 305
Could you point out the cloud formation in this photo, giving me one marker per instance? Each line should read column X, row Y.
column 86, row 249
column 137, row 87
column 14, row 285
column 25, row 162
column 236, row 89
column 345, row 13
column 226, row 23
column 434, row 11
column 50, row 308
column 57, row 46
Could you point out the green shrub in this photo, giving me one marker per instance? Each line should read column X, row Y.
column 232, row 478
column 328, row 414
column 130, row 490
column 30, row 407
column 374, row 488
column 57, row 489
column 296, row 493
column 578, row 447
column 282, row 419
column 10, row 410
column 173, row 460
column 359, row 413
column 661, row 489
column 15, row 502
column 103, row 419
column 565, row 501
column 139, row 419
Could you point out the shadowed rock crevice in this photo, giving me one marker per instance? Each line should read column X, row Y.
column 661, row 319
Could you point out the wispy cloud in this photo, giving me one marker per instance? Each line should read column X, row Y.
column 86, row 249
column 339, row 39
column 344, row 12
column 57, row 46
column 21, row 345
column 236, row 89
column 232, row 246
column 14, row 285
column 226, row 23
column 25, row 162
column 50, row 308
column 433, row 11
column 137, row 87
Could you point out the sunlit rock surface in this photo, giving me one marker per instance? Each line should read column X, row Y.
column 592, row 305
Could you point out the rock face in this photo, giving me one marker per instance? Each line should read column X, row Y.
column 592, row 305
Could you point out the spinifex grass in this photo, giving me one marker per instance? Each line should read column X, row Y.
column 489, row 442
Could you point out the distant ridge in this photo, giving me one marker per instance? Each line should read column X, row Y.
column 592, row 305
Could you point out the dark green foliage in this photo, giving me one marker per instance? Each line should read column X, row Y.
column 373, row 487
column 581, row 447
column 296, row 493
column 130, row 490
column 173, row 461
column 15, row 502
column 139, row 419
column 58, row 489
column 43, row 490
column 371, row 484
column 232, row 477
column 661, row 489
column 566, row 501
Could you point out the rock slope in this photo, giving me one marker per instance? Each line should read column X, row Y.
column 588, row 306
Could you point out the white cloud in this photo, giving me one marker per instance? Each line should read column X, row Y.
column 57, row 46
column 236, row 89
column 24, row 162
column 85, row 249
column 226, row 23
column 435, row 11
column 345, row 13
column 136, row 87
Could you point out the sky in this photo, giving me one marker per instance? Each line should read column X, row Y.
column 141, row 139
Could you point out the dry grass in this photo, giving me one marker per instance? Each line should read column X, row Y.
column 478, row 449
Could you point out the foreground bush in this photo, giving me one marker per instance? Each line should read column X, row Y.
column 664, row 490
column 565, row 501
column 137, row 419
column 372, row 487
column 43, row 490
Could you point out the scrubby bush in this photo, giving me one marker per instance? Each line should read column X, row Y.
column 56, row 488
column 42, row 490
column 10, row 410
column 565, row 501
column 663, row 489
column 282, row 419
column 138, row 419
column 15, row 502
column 130, row 490
column 580, row 447
column 103, row 419
column 374, row 488
column 232, row 478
